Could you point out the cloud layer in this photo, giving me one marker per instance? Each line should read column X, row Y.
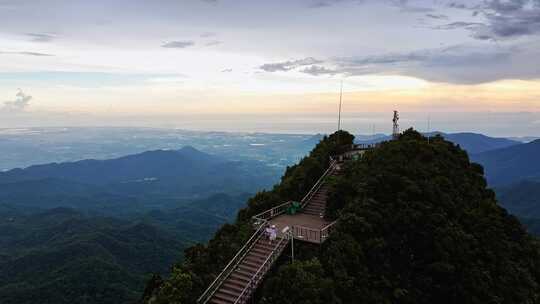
column 460, row 64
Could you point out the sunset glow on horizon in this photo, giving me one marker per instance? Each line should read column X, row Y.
column 203, row 58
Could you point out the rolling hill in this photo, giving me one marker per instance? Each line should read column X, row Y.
column 521, row 199
column 62, row 256
column 511, row 165
column 149, row 180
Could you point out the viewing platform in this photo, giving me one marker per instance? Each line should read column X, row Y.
column 304, row 221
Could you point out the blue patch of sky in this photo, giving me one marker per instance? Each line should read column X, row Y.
column 78, row 79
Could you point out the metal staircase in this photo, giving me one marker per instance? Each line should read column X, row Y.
column 241, row 277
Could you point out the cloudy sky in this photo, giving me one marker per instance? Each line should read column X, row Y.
column 272, row 65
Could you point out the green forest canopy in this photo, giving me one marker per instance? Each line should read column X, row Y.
column 417, row 224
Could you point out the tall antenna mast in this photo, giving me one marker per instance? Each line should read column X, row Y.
column 428, row 127
column 340, row 100
column 395, row 120
column 339, row 112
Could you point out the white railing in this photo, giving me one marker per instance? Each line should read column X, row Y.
column 257, row 277
column 365, row 146
column 209, row 292
column 280, row 209
column 318, row 184
column 271, row 213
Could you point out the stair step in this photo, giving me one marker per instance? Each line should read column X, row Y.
column 313, row 206
column 233, row 293
column 265, row 247
column 219, row 301
column 245, row 275
column 254, row 258
column 248, row 268
column 255, row 265
column 223, row 296
column 233, row 284
column 241, row 275
column 258, row 255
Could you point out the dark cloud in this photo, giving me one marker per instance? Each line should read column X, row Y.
column 21, row 102
column 437, row 16
column 407, row 6
column 509, row 19
column 178, row 44
column 505, row 19
column 37, row 54
column 456, row 64
column 316, row 70
column 459, row 24
column 289, row 65
column 459, row 64
column 40, row 37
column 327, row 3
column 457, row 5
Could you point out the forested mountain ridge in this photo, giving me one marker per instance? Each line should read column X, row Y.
column 62, row 256
column 139, row 182
column 511, row 165
column 417, row 225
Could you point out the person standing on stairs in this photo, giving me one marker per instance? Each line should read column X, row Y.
column 273, row 234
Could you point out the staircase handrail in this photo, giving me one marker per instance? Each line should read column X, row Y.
column 282, row 207
column 265, row 265
column 318, row 184
column 325, row 231
column 273, row 213
column 207, row 294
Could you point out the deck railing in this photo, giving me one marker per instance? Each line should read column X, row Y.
column 365, row 146
column 257, row 277
column 307, row 234
column 312, row 235
column 271, row 213
column 209, row 292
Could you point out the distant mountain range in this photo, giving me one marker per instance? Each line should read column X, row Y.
column 512, row 164
column 151, row 179
column 472, row 142
column 477, row 143
column 521, row 199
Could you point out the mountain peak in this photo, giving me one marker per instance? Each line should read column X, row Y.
column 190, row 149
